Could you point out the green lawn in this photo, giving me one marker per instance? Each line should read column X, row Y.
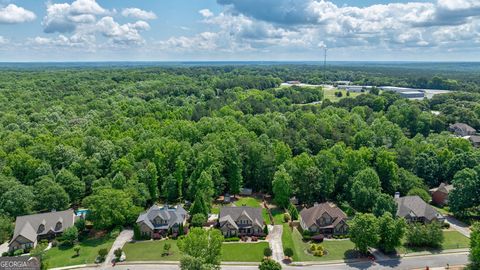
column 330, row 94
column 243, row 252
column 248, row 201
column 151, row 251
column 59, row 257
column 277, row 214
column 452, row 240
column 337, row 250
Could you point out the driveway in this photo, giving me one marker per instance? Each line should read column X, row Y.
column 275, row 242
column 122, row 238
column 3, row 248
column 458, row 226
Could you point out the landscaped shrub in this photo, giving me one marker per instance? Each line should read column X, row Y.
column 18, row 252
column 118, row 253
column 54, row 243
column 429, row 235
column 286, row 217
column 231, row 239
column 102, row 253
column 267, row 252
column 265, row 230
column 198, row 220
column 293, row 212
column 288, row 252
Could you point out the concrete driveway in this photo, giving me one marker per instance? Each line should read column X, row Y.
column 458, row 226
column 122, row 238
column 275, row 242
column 3, row 248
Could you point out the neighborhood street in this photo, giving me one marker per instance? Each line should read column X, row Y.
column 440, row 260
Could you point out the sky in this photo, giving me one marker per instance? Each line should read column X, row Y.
column 239, row 30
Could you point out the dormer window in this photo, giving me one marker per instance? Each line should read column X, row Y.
column 41, row 228
column 58, row 226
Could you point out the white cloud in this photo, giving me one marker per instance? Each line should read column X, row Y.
column 206, row 13
column 3, row 40
column 205, row 41
column 64, row 17
column 139, row 14
column 128, row 33
column 13, row 14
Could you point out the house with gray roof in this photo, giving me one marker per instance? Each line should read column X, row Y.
column 161, row 220
column 240, row 221
column 324, row 218
column 462, row 129
column 414, row 209
column 30, row 229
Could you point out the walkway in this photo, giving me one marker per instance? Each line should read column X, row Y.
column 122, row 238
column 458, row 226
column 275, row 241
column 3, row 248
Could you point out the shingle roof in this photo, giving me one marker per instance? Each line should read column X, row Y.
column 443, row 188
column 414, row 206
column 312, row 214
column 174, row 215
column 233, row 213
column 463, row 127
column 28, row 226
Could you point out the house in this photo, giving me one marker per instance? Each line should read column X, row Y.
column 462, row 130
column 414, row 209
column 30, row 229
column 440, row 194
column 475, row 140
column 160, row 220
column 240, row 221
column 246, row 192
column 324, row 218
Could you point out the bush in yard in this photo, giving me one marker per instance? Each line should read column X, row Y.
column 137, row 235
column 429, row 235
column 80, row 224
column 166, row 249
column 18, row 252
column 231, row 239
column 70, row 236
column 102, row 253
column 54, row 243
column 118, row 253
column 288, row 252
column 420, row 192
column 286, row 217
column 77, row 251
column 269, row 264
column 267, row 252
column 293, row 212
column 265, row 230
column 198, row 220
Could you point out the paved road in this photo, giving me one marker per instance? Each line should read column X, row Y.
column 275, row 241
column 122, row 238
column 458, row 226
column 403, row 264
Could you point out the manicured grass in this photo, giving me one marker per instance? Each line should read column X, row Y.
column 277, row 214
column 248, row 201
column 330, row 94
column 444, row 211
column 59, row 257
column 452, row 240
column 337, row 249
column 215, row 209
column 151, row 251
column 243, row 252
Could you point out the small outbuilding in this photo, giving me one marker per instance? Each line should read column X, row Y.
column 440, row 194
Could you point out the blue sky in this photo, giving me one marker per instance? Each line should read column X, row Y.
column 166, row 30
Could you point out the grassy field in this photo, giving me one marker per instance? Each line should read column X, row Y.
column 151, row 251
column 337, row 250
column 277, row 214
column 231, row 252
column 330, row 94
column 58, row 257
column 452, row 240
column 243, row 252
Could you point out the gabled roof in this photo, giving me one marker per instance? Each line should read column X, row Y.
column 444, row 188
column 414, row 206
column 312, row 214
column 463, row 127
column 173, row 215
column 27, row 226
column 233, row 213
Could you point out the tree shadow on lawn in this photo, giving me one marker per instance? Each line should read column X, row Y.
column 91, row 242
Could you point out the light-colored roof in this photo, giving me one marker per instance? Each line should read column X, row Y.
column 173, row 215
column 28, row 226
column 443, row 188
column 233, row 213
column 414, row 206
column 312, row 214
column 463, row 127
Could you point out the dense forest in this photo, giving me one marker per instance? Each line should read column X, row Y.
column 119, row 139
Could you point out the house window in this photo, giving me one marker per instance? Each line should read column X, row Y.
column 58, row 226
column 41, row 228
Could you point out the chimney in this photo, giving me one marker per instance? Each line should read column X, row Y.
column 397, row 195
